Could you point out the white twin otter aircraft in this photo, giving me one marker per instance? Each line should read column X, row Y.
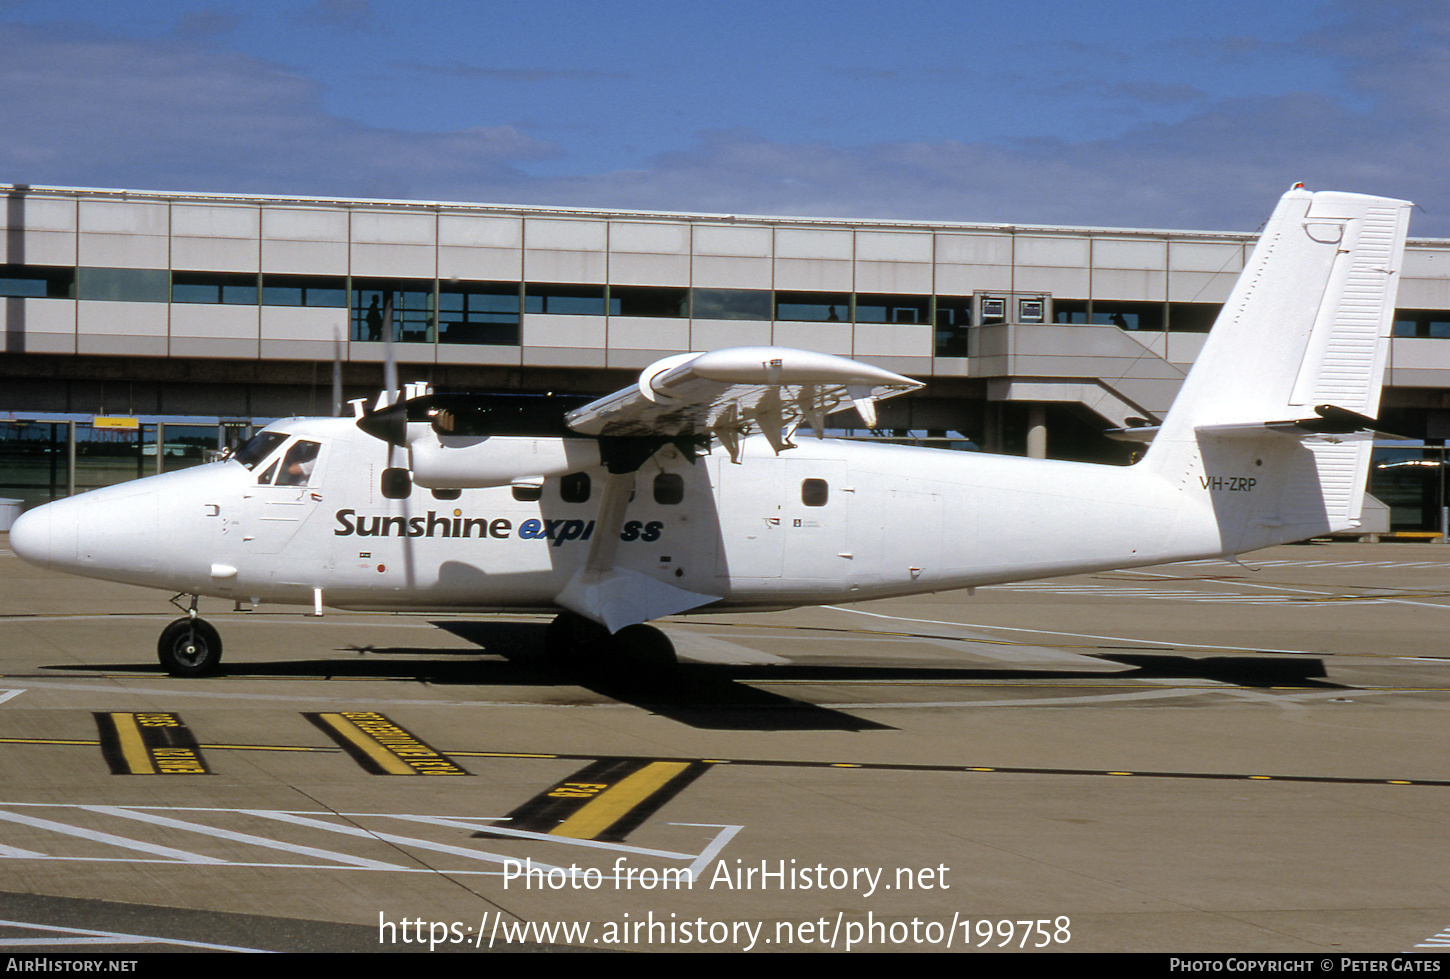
column 686, row 493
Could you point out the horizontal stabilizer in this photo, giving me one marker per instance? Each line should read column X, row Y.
column 1332, row 425
column 733, row 392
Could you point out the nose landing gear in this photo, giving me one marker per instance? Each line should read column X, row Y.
column 190, row 646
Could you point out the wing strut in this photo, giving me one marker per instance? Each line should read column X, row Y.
column 615, row 597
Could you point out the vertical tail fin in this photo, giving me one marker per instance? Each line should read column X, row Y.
column 1306, row 326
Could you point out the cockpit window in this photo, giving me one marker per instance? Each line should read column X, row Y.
column 260, row 446
column 297, row 466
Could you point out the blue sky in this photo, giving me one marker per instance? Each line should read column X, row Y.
column 1119, row 113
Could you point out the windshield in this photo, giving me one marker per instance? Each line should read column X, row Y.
column 259, row 448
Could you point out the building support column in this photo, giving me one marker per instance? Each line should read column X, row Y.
column 1037, row 431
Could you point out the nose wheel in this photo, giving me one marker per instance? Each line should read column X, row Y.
column 189, row 647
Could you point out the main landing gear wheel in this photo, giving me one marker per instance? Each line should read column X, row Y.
column 572, row 640
column 644, row 645
column 189, row 647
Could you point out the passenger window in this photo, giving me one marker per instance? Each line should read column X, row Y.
column 669, row 488
column 528, row 492
column 815, row 492
column 574, row 488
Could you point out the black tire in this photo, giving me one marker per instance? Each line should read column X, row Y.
column 189, row 647
column 569, row 639
column 644, row 646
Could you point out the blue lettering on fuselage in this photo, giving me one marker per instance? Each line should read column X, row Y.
column 351, row 523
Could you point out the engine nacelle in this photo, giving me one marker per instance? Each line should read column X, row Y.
column 472, row 461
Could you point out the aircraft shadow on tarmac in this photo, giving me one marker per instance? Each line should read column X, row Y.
column 719, row 696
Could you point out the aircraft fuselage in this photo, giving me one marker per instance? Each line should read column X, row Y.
column 828, row 521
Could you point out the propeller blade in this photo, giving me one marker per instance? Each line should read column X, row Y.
column 390, row 358
column 336, row 373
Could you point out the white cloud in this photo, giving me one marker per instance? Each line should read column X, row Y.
column 106, row 111
column 80, row 108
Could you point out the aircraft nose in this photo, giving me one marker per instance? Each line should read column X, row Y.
column 101, row 533
column 30, row 536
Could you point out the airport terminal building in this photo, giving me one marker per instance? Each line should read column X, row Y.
column 207, row 313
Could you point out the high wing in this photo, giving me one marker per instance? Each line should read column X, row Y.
column 727, row 393
column 457, row 441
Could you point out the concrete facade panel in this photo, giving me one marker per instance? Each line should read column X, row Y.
column 1411, row 356
column 740, row 242
column 543, row 330
column 814, row 244
column 894, row 340
column 197, row 320
column 812, row 274
column 950, row 367
column 123, row 218
column 480, row 264
column 1137, row 285
column 40, row 214
column 641, row 269
column 975, row 250
column 1424, row 294
column 1183, row 348
column 305, row 224
column 405, row 352
column 479, row 231
column 715, row 334
column 303, row 323
column 106, row 318
column 116, row 251
column 394, row 261
column 831, row 338
column 724, row 272
column 1427, row 263
column 215, row 254
column 112, row 344
column 561, row 233
column 1206, row 256
column 304, row 257
column 888, row 246
column 893, row 277
column 534, row 356
column 39, row 248
column 225, row 347
column 40, row 342
column 1054, row 252
column 458, row 353
column 658, row 237
column 39, row 232
column 1199, row 287
column 394, row 228
column 282, row 348
column 665, row 336
column 631, row 359
column 39, row 325
column 963, row 280
column 1064, row 283
column 221, row 221
column 543, row 265
column 1129, row 253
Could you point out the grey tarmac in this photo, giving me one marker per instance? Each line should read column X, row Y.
column 1197, row 757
